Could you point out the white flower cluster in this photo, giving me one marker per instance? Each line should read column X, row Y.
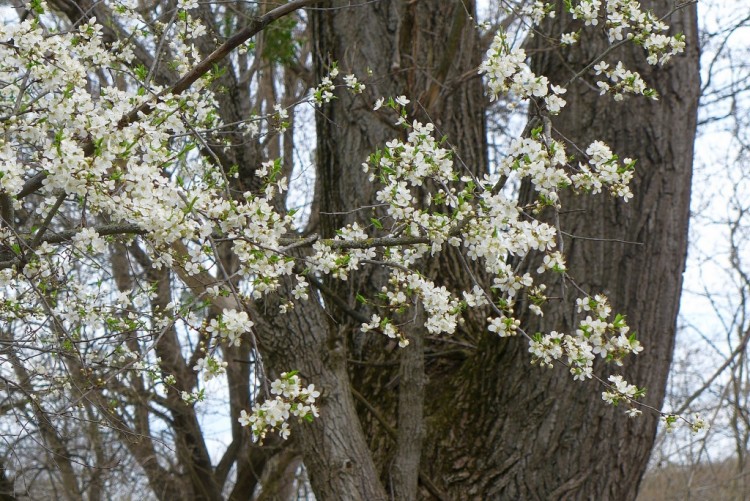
column 386, row 327
column 621, row 82
column 81, row 141
column 538, row 10
column 553, row 261
column 696, row 423
column 625, row 19
column 211, row 367
column 256, row 228
column 503, row 230
column 355, row 85
column 475, row 298
column 568, row 38
column 622, row 391
column 339, row 264
column 192, row 397
column 11, row 169
column 411, row 162
column 292, row 399
column 605, row 169
column 598, row 335
column 587, row 11
column 231, row 325
column 402, row 167
column 441, row 307
column 88, row 241
column 187, row 4
column 262, row 266
column 323, row 93
column 504, row 326
column 507, row 71
column 543, row 163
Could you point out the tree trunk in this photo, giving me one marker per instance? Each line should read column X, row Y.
column 496, row 427
column 533, row 433
column 427, row 51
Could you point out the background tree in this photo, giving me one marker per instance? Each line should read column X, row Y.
column 710, row 370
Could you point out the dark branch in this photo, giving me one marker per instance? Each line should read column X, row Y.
column 256, row 26
column 109, row 229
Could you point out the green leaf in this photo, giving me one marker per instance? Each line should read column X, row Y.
column 141, row 72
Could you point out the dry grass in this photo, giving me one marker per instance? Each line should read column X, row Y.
column 705, row 482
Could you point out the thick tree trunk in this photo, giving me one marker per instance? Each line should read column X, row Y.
column 523, row 432
column 427, row 51
column 334, row 449
column 496, row 427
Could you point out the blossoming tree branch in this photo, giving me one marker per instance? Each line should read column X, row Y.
column 105, row 163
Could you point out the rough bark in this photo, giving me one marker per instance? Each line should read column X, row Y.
column 426, row 51
column 497, row 427
column 347, row 133
column 334, row 449
column 534, row 433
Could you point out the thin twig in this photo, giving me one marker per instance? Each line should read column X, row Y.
column 48, row 220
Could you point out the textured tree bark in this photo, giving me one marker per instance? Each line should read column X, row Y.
column 496, row 427
column 334, row 449
column 428, row 52
column 523, row 432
